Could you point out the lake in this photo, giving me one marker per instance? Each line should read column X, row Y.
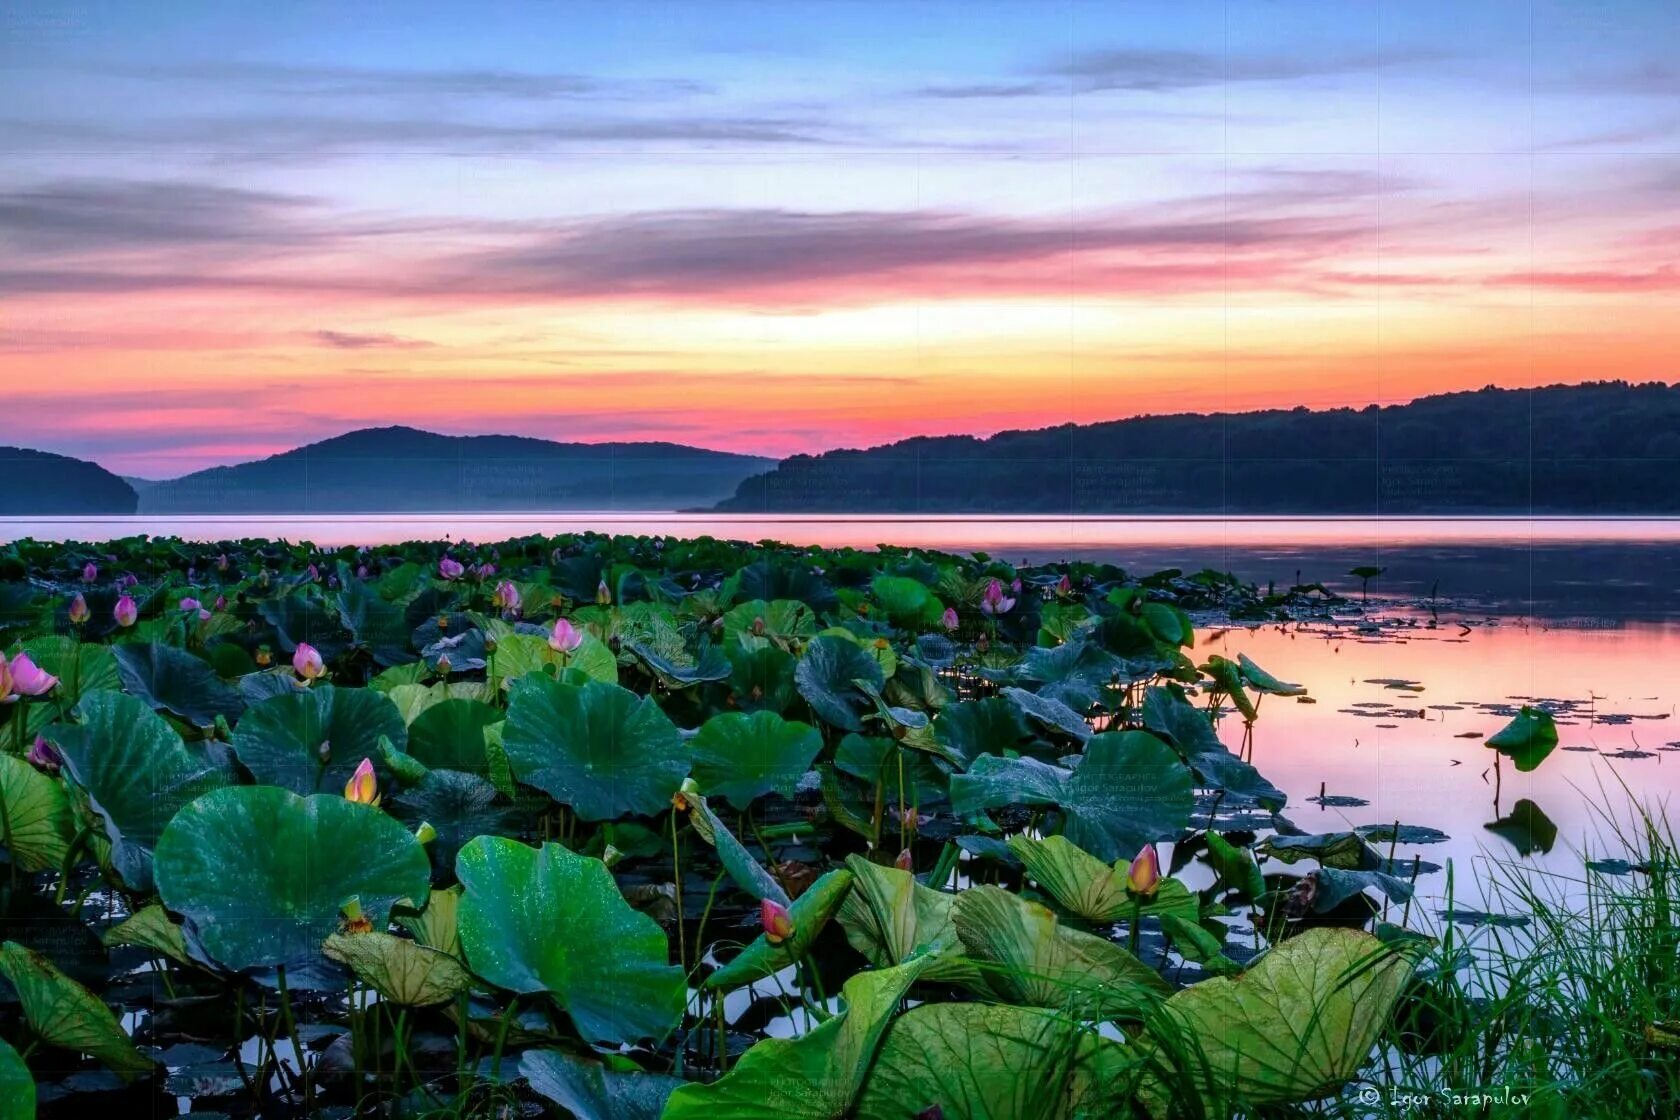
column 1582, row 615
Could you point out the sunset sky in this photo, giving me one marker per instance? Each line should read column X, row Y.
column 227, row 229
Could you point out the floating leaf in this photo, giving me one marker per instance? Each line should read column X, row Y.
column 550, row 920
column 1527, row 739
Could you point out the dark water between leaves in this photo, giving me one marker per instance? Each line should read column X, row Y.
column 1470, row 619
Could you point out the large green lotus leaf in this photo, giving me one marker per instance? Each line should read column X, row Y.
column 1346, row 850
column 746, row 871
column 175, row 681
column 761, row 679
column 785, row 623
column 827, row 676
column 517, row 654
column 1096, row 891
column 1075, row 673
column 62, row 1013
column 682, row 669
column 450, row 735
column 1028, row 957
column 1130, row 789
column 813, row 1077
column 17, row 1086
column 137, row 774
column 1049, row 712
column 550, row 920
column 81, row 667
column 599, row 749
column 1173, row 718
column 614, row 1089
column 976, row 727
column 1527, row 739
column 300, row 618
column 311, row 740
column 740, row 757
column 375, row 625
column 458, row 806
column 438, row 925
column 260, row 874
column 400, row 970
column 988, row 1061
column 150, row 927
column 890, row 918
column 1235, row 866
column 810, row 912
column 1296, row 1026
column 1263, row 681
column 38, row 827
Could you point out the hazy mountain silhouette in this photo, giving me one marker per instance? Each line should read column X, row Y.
column 404, row 469
column 39, row 482
column 1605, row 447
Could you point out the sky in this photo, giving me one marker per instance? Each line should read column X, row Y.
column 227, row 229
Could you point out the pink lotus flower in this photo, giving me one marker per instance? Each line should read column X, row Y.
column 777, row 922
column 363, row 786
column 994, row 601
column 191, row 604
column 307, row 661
column 507, row 596
column 79, row 612
column 125, row 612
column 204, row 615
column 486, row 571
column 1144, row 874
column 451, row 569
column 221, row 602
column 564, row 638
column 950, row 618
column 44, row 756
column 22, row 677
column 90, row 572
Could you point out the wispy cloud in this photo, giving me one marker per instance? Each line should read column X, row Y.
column 350, row 340
column 295, row 80
column 1159, row 71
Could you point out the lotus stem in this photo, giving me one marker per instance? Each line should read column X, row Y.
column 296, row 1040
column 676, row 877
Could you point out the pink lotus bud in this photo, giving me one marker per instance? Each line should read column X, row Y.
column 125, row 612
column 79, row 612
column 950, row 618
column 486, row 571
column 129, row 579
column 221, row 602
column 758, row 626
column 602, row 595
column 314, row 574
column 564, row 638
column 994, row 601
column 190, row 604
column 222, row 562
column 507, row 596
column 1144, row 875
column 90, row 572
column 44, row 756
column 777, row 922
column 204, row 615
column 307, row 661
column 1064, row 586
column 27, row 678
column 363, row 786
column 1015, row 585
column 450, row 569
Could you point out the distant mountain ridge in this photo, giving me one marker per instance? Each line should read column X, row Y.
column 1597, row 448
column 40, row 482
column 401, row 469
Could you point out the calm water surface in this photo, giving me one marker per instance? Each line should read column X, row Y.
column 1582, row 615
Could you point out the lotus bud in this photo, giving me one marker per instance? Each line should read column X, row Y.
column 307, row 661
column 564, row 638
column 363, row 786
column 777, row 922
column 221, row 602
column 507, row 596
column 912, row 819
column 354, row 920
column 931, row 1112
column 1064, row 586
column 1143, row 877
column 203, row 615
column 79, row 612
column 29, row 679
column 222, row 564
column 188, row 603
column 324, row 751
column 1015, row 585
column 905, row 860
column 486, row 571
column 687, row 793
column 314, row 574
column 611, row 855
column 44, row 756
column 361, row 571
column 758, row 626
column 90, row 572
column 603, row 597
column 451, row 569
column 125, row 612
column 425, row 833
column 263, row 579
column 443, row 665
column 950, row 618
column 265, row 657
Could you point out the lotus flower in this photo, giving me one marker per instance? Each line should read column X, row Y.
column 507, row 596
column 994, row 601
column 564, row 638
column 90, row 572
column 44, row 756
column 363, row 786
column 22, row 677
column 1144, row 875
column 79, row 612
column 221, row 602
column 307, row 661
column 486, row 571
column 222, row 562
column 602, row 595
column 190, row 604
column 125, row 612
column 203, row 615
column 777, row 922
column 950, row 618
column 1064, row 586
column 314, row 574
column 129, row 579
column 451, row 569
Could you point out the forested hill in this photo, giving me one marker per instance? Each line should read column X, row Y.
column 1598, row 448
column 404, row 469
column 39, row 482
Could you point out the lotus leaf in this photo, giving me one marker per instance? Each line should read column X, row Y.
column 741, row 757
column 311, row 740
column 1084, row 885
column 612, row 1089
column 38, row 828
column 827, row 677
column 62, row 1013
column 810, row 913
column 17, row 1086
column 1527, row 739
column 401, row 971
column 175, row 681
